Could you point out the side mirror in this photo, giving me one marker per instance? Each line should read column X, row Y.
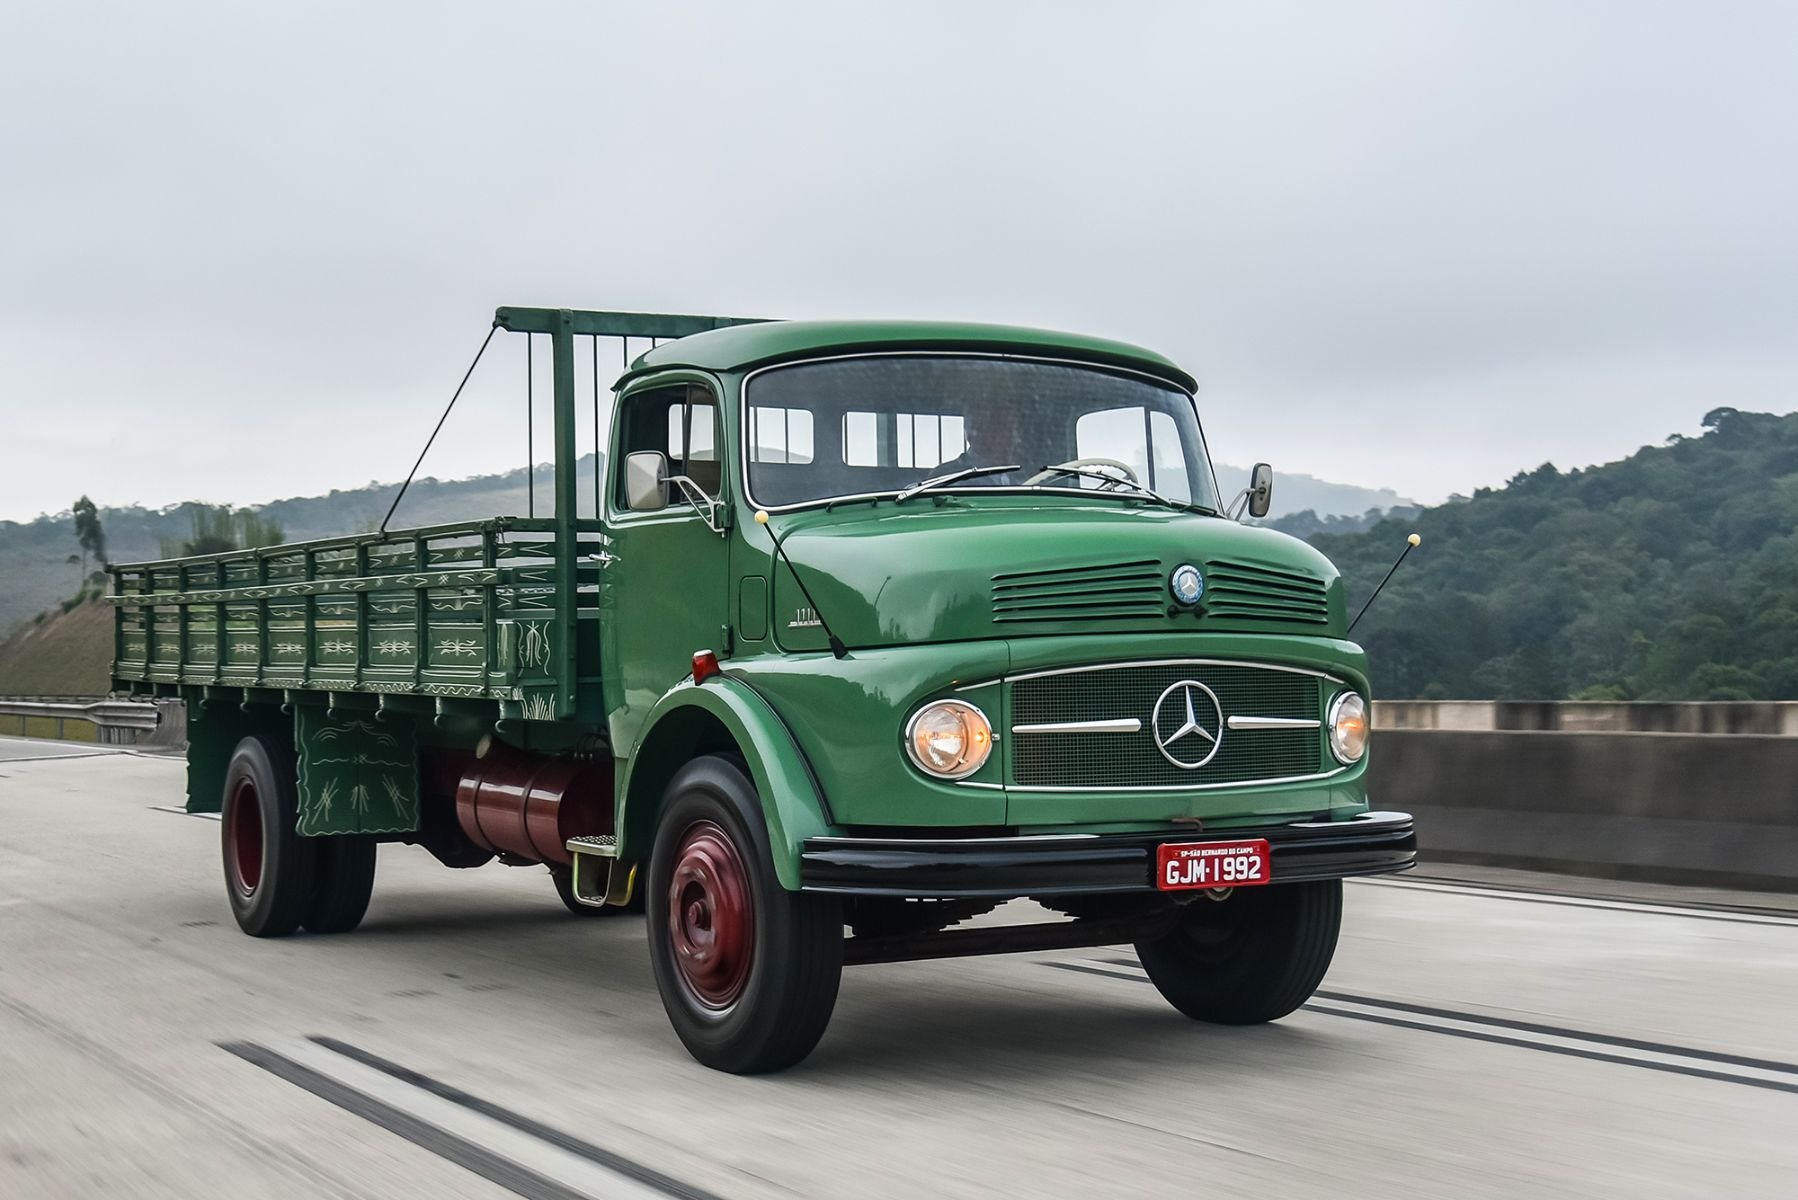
column 1261, row 490
column 646, row 480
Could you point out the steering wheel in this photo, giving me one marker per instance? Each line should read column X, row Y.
column 1062, row 468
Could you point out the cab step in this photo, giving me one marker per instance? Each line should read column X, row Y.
column 600, row 845
column 599, row 878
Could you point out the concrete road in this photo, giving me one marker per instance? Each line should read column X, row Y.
column 472, row 1039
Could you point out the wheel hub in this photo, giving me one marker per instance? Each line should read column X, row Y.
column 243, row 838
column 711, row 916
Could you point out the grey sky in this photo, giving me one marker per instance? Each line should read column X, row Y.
column 246, row 250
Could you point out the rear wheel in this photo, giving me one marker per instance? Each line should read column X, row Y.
column 748, row 971
column 345, row 878
column 269, row 868
column 1250, row 958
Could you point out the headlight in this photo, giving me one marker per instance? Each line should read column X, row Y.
column 948, row 739
column 1348, row 728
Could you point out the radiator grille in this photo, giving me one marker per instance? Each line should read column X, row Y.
column 1235, row 589
column 1101, row 760
column 1107, row 591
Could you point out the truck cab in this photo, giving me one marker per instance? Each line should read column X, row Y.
column 872, row 629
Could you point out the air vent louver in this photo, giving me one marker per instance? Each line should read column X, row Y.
column 1235, row 589
column 1103, row 592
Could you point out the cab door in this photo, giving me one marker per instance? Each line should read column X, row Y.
column 664, row 595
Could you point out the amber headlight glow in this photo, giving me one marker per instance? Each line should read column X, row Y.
column 948, row 739
column 1348, row 728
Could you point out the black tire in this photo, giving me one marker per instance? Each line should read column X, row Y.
column 742, row 1013
column 1251, row 958
column 270, row 874
column 345, row 878
column 563, row 878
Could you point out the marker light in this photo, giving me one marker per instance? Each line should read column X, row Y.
column 705, row 665
column 949, row 739
column 1348, row 728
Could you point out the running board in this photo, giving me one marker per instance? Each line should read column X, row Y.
column 599, row 877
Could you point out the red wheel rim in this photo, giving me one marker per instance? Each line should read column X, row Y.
column 243, row 838
column 711, row 916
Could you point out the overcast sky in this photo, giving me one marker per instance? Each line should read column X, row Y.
column 247, row 249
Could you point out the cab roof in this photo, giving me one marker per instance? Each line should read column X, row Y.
column 740, row 347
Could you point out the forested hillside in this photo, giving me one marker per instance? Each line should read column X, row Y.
column 1672, row 574
column 35, row 574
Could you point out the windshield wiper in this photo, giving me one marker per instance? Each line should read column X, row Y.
column 1135, row 488
column 953, row 477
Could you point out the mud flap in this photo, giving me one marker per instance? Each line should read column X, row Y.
column 356, row 775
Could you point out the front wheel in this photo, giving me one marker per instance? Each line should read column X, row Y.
column 747, row 971
column 1252, row 957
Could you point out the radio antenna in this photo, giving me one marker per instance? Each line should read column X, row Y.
column 1411, row 543
column 837, row 648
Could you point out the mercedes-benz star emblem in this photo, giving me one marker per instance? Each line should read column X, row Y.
column 1188, row 720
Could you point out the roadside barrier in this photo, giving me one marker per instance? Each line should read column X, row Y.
column 1700, row 793
column 106, row 722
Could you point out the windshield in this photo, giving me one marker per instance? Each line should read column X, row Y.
column 867, row 426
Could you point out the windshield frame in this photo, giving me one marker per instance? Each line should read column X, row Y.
column 744, row 404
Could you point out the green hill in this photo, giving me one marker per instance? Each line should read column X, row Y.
column 1672, row 574
column 1299, row 496
column 65, row 654
column 35, row 575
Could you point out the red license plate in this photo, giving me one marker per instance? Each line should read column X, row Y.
column 1183, row 865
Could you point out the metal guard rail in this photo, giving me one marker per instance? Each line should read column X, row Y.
column 105, row 714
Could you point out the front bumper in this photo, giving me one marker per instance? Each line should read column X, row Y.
column 1373, row 843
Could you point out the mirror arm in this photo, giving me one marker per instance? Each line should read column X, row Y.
column 709, row 508
column 1234, row 510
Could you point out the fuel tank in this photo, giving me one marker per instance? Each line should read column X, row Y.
column 528, row 805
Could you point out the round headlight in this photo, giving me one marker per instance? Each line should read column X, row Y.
column 949, row 739
column 1348, row 728
column 1187, row 585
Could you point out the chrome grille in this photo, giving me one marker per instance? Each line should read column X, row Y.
column 1132, row 759
column 1110, row 590
column 1237, row 589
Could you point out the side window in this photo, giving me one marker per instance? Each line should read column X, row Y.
column 680, row 422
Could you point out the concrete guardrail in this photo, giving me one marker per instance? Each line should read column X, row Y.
column 1702, row 793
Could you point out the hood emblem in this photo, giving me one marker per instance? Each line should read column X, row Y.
column 1187, row 585
column 1188, row 724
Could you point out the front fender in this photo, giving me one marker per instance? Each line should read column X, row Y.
column 688, row 720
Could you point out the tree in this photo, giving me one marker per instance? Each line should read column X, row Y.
column 219, row 528
column 89, row 533
column 1669, row 575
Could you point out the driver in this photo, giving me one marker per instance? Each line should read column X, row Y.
column 995, row 437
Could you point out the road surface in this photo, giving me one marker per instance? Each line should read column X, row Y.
column 472, row 1039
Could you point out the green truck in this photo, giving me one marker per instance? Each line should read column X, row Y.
column 859, row 631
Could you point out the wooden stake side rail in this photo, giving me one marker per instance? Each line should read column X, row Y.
column 457, row 610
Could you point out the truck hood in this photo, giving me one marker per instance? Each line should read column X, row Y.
column 1018, row 567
